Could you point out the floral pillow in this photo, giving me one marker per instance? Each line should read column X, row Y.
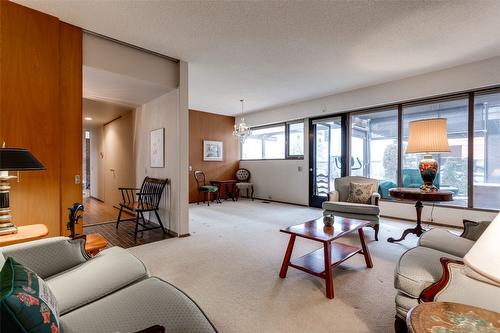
column 26, row 302
column 360, row 193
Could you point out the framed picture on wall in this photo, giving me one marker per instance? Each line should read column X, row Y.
column 213, row 150
column 157, row 153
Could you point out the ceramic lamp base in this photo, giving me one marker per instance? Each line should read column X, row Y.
column 428, row 170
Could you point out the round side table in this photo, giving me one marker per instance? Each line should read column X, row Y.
column 437, row 317
column 404, row 193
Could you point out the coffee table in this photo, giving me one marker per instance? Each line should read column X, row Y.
column 321, row 262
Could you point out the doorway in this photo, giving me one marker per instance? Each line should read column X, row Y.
column 327, row 156
column 108, row 158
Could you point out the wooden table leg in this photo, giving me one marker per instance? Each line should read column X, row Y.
column 288, row 255
column 418, row 230
column 233, row 192
column 327, row 246
column 366, row 253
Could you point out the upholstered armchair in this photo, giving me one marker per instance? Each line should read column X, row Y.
column 437, row 270
column 338, row 203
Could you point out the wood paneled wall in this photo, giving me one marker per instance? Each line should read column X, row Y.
column 209, row 126
column 40, row 92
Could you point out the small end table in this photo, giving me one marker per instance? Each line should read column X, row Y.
column 404, row 193
column 451, row 317
column 94, row 244
column 230, row 188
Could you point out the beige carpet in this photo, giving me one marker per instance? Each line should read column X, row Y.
column 230, row 263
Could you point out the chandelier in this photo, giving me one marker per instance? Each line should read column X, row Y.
column 242, row 131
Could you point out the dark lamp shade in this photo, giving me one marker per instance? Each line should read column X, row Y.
column 18, row 159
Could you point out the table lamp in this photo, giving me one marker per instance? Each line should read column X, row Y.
column 484, row 258
column 428, row 136
column 12, row 159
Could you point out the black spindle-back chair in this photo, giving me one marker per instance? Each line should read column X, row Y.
column 146, row 200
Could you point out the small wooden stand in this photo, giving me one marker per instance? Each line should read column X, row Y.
column 451, row 317
column 25, row 233
column 94, row 244
column 419, row 196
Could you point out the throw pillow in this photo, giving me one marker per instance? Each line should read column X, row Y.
column 360, row 193
column 26, row 302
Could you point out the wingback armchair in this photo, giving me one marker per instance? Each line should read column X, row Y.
column 437, row 270
column 338, row 204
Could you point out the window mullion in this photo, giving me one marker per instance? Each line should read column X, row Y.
column 470, row 154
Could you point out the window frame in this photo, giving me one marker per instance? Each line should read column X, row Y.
column 289, row 156
column 434, row 100
column 386, row 108
column 467, row 94
column 286, row 142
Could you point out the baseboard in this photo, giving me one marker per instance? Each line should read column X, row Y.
column 424, row 222
column 283, row 202
column 94, row 198
column 184, row 235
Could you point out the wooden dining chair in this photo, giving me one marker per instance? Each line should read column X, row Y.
column 205, row 188
column 243, row 177
column 146, row 200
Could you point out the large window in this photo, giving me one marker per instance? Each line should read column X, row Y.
column 265, row 143
column 273, row 142
column 471, row 170
column 374, row 147
column 452, row 173
column 486, row 176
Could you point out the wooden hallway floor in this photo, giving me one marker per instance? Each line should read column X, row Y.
column 98, row 212
column 101, row 218
column 124, row 235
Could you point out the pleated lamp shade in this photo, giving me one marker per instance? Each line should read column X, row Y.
column 484, row 257
column 428, row 136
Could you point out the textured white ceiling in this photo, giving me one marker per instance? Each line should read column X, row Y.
column 274, row 53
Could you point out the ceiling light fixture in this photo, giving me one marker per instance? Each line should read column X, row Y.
column 242, row 131
column 87, row 118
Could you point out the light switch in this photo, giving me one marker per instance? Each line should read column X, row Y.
column 190, row 168
column 299, row 168
column 77, row 179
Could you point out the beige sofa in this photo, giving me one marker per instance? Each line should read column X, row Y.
column 111, row 292
column 439, row 252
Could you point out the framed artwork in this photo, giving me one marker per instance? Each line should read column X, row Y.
column 157, row 154
column 213, row 150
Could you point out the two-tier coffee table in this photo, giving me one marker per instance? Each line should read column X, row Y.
column 322, row 261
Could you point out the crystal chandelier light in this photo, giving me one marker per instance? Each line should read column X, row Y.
column 242, row 131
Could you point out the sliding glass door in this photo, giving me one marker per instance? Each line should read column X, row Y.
column 327, row 154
